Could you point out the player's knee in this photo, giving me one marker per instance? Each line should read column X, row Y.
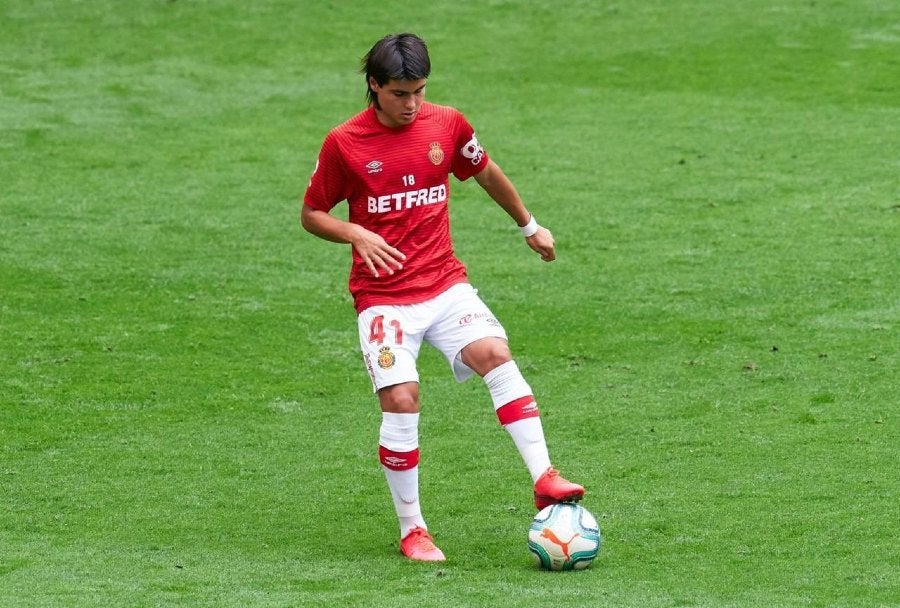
column 486, row 355
column 400, row 398
column 499, row 354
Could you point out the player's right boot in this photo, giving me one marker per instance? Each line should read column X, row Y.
column 419, row 546
column 550, row 489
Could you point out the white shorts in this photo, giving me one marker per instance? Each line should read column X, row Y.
column 390, row 336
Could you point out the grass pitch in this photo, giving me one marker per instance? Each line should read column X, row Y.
column 184, row 418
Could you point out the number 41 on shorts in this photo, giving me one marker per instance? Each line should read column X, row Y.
column 377, row 333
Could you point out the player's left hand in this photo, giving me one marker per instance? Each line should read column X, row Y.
column 542, row 242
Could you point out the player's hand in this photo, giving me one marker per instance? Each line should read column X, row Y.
column 542, row 242
column 376, row 253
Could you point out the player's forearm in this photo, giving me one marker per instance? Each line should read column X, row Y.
column 501, row 189
column 372, row 249
column 326, row 226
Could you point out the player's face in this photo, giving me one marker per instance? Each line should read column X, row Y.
column 398, row 101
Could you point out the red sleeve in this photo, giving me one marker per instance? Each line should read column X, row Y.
column 469, row 157
column 329, row 184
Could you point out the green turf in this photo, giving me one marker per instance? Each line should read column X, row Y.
column 184, row 418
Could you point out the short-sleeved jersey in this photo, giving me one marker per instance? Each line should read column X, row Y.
column 396, row 182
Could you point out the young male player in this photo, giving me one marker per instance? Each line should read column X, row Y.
column 392, row 162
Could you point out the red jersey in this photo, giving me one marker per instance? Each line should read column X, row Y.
column 396, row 182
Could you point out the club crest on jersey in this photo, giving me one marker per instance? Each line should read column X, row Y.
column 435, row 154
column 386, row 358
column 374, row 166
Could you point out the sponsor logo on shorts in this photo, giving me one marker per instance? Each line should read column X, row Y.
column 369, row 367
column 386, row 358
column 478, row 316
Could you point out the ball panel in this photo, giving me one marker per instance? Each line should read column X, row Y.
column 540, row 555
column 564, row 536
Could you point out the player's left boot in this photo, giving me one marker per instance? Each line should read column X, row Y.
column 419, row 546
column 550, row 489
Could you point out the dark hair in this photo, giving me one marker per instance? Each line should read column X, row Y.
column 397, row 57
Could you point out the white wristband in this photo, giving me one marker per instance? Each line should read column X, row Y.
column 530, row 228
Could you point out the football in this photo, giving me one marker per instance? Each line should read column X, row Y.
column 564, row 536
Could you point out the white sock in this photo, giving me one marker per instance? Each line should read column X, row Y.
column 518, row 413
column 528, row 435
column 399, row 454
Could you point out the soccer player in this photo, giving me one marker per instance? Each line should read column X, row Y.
column 392, row 162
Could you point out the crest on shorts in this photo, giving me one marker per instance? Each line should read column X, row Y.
column 435, row 154
column 386, row 358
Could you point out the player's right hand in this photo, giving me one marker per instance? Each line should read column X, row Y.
column 377, row 254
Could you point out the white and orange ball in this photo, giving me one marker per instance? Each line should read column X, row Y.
column 564, row 536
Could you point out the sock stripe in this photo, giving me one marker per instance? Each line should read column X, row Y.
column 519, row 409
column 398, row 461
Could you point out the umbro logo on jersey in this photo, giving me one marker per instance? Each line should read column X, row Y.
column 374, row 166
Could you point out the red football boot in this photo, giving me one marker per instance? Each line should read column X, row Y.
column 419, row 546
column 550, row 489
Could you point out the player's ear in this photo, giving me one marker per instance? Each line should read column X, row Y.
column 373, row 84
